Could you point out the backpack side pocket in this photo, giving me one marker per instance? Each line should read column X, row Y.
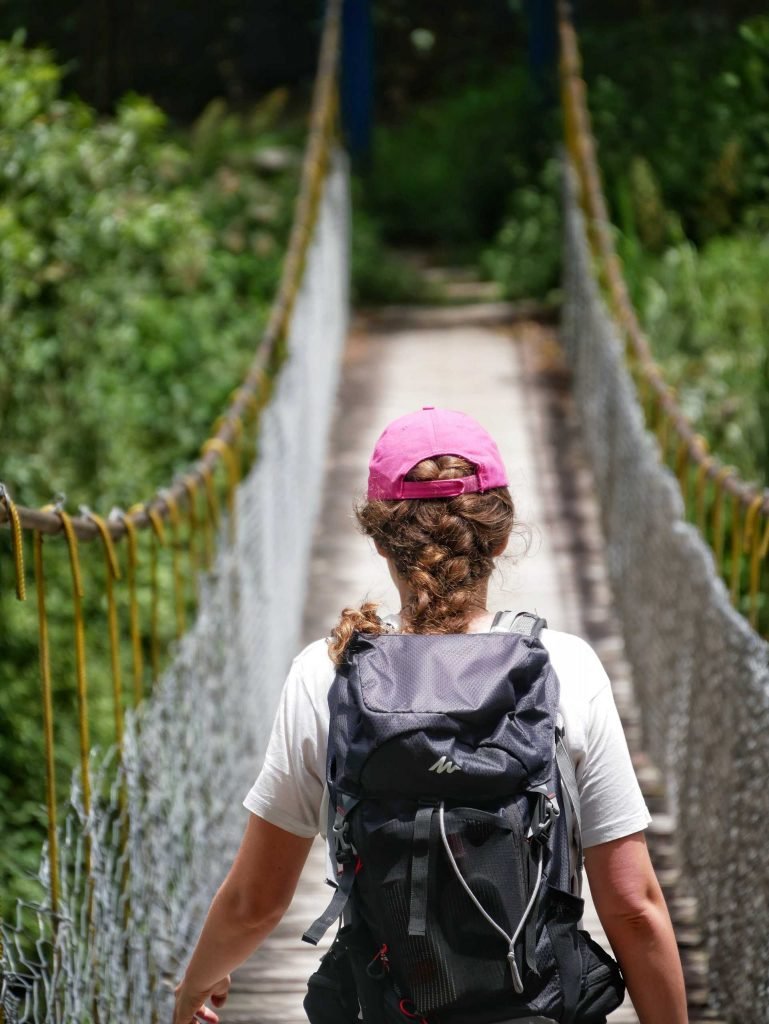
column 331, row 992
column 603, row 987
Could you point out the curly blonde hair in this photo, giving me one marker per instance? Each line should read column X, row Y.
column 443, row 548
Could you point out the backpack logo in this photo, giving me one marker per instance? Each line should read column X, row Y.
column 444, row 765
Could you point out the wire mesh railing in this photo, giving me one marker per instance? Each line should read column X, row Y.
column 701, row 672
column 202, row 590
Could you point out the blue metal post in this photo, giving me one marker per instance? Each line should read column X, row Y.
column 357, row 77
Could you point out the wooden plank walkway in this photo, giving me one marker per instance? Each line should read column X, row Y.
column 510, row 378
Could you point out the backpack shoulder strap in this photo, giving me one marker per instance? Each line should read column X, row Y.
column 526, row 623
column 530, row 624
column 570, row 793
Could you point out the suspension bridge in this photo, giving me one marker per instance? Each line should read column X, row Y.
column 642, row 541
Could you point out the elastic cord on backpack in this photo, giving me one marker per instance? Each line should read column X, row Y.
column 511, row 941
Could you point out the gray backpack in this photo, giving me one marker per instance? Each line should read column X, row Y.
column 454, row 825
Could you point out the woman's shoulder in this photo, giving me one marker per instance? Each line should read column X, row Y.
column 576, row 664
column 312, row 671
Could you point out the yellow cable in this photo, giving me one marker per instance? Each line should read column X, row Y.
column 699, row 492
column 757, row 556
column 737, row 528
column 190, row 485
column 133, row 606
column 47, row 700
column 80, row 671
column 158, row 539
column 750, row 518
column 211, row 520
column 718, row 515
column 112, row 574
column 226, row 453
column 17, row 542
column 173, row 519
column 682, row 471
column 752, row 543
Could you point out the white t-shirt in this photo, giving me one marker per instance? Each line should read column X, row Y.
column 290, row 790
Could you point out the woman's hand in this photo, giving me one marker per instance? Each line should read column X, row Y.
column 191, row 1005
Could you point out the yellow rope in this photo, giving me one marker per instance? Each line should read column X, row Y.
column 17, row 542
column 718, row 516
column 211, row 521
column 132, row 559
column 682, row 470
column 754, row 542
column 158, row 539
column 47, row 700
column 190, row 485
column 699, row 492
column 112, row 574
column 226, row 453
column 173, row 519
column 736, row 567
column 82, row 688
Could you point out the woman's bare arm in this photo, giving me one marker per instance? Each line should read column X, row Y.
column 635, row 918
column 250, row 902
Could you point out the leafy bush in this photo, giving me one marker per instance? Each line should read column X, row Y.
column 136, row 273
column 136, row 269
column 685, row 160
column 707, row 314
column 442, row 174
column 526, row 255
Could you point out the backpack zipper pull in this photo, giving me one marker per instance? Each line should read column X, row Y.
column 517, row 983
column 380, row 965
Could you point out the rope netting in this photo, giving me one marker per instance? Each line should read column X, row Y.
column 701, row 672
column 131, row 861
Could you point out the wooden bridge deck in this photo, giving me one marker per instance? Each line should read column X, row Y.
column 508, row 374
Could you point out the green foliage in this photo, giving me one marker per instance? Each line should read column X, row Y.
column 526, row 255
column 136, row 270
column 707, row 313
column 468, row 175
column 444, row 171
column 379, row 275
column 685, row 160
column 702, row 127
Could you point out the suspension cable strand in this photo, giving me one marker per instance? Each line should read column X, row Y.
column 718, row 516
column 190, row 484
column 132, row 559
column 227, row 455
column 47, row 702
column 157, row 540
column 174, row 520
column 248, row 401
column 754, row 542
column 699, row 492
column 682, row 470
column 17, row 543
column 111, row 576
column 80, row 668
column 211, row 521
column 232, row 423
column 736, row 566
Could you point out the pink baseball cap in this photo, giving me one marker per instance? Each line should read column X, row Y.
column 426, row 434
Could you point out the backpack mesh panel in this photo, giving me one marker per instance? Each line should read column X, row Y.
column 461, row 956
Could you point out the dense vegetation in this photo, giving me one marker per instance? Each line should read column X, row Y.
column 685, row 159
column 137, row 268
